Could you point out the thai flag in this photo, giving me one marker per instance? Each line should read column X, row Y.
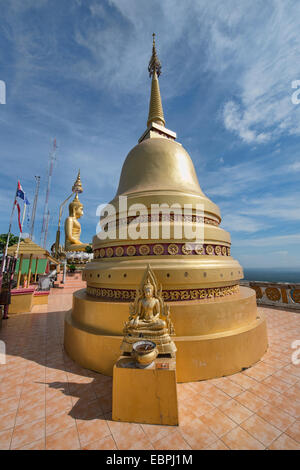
column 21, row 194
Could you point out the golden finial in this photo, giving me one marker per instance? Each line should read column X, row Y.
column 156, row 113
column 154, row 63
column 77, row 186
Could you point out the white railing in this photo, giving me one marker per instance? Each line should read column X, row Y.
column 281, row 294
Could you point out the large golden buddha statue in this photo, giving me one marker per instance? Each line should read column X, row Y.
column 145, row 320
column 72, row 224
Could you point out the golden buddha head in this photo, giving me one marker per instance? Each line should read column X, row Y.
column 76, row 208
column 148, row 289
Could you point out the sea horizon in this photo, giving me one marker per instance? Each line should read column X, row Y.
column 291, row 275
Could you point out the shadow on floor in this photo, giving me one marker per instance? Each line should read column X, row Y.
column 38, row 338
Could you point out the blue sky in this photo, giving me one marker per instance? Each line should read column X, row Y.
column 77, row 70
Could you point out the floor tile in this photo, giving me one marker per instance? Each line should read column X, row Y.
column 58, row 404
column 261, row 430
column 239, row 439
column 264, row 392
column 276, row 383
column 294, row 431
column 37, row 445
column 132, row 440
column 27, row 414
column 7, row 421
column 107, row 443
column 173, row 441
column 92, row 430
column 218, row 445
column 218, row 422
column 197, row 434
column 5, row 439
column 155, row 431
column 63, row 440
column 284, row 442
column 243, row 380
column 250, row 401
column 8, row 406
column 229, row 387
column 58, row 422
column 276, row 417
column 27, row 433
column 236, row 411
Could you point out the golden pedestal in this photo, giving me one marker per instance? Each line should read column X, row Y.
column 40, row 298
column 21, row 301
column 145, row 395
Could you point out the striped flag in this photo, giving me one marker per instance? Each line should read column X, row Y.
column 19, row 215
column 21, row 194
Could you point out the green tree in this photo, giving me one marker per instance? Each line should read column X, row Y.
column 3, row 239
column 88, row 249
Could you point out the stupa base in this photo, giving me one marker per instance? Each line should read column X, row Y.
column 199, row 357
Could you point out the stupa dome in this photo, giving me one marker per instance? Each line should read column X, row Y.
column 158, row 164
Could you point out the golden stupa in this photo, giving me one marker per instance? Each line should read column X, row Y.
column 218, row 329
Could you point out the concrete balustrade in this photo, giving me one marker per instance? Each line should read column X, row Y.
column 281, row 294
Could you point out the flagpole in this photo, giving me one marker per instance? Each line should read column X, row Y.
column 8, row 235
column 18, row 246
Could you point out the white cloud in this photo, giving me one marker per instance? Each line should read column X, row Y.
column 266, row 58
column 271, row 241
column 278, row 208
column 242, row 223
column 294, row 166
column 236, row 122
column 279, row 260
column 254, row 47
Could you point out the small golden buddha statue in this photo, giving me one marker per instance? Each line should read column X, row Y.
column 73, row 227
column 145, row 320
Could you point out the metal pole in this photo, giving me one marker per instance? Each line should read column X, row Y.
column 20, row 270
column 52, row 158
column 61, row 208
column 46, row 230
column 7, row 240
column 29, row 269
column 64, row 272
column 34, row 206
column 36, row 269
column 18, row 246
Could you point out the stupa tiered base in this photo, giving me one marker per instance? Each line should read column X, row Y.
column 215, row 337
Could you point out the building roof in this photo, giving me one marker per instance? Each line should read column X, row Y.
column 28, row 247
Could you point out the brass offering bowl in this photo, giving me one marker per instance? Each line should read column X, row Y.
column 144, row 352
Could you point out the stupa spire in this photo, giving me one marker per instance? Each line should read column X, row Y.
column 77, row 186
column 156, row 113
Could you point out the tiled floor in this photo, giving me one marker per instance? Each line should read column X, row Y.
column 49, row 402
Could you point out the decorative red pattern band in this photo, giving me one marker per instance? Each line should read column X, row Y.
column 128, row 295
column 160, row 249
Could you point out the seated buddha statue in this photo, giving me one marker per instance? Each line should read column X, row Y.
column 73, row 227
column 148, row 312
column 145, row 320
